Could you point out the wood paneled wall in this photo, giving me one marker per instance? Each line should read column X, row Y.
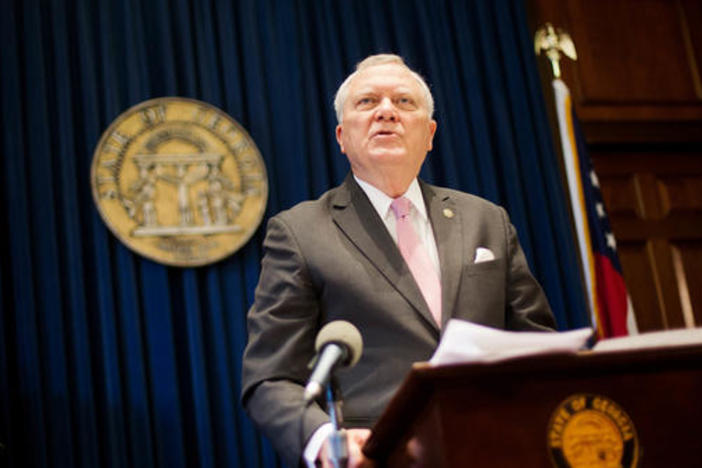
column 638, row 93
column 654, row 200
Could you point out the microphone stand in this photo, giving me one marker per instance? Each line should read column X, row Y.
column 337, row 439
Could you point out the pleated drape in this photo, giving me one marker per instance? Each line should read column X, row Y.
column 111, row 360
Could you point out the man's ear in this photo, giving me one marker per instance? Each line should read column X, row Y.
column 432, row 131
column 339, row 132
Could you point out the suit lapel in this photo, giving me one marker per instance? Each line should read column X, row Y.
column 355, row 216
column 446, row 223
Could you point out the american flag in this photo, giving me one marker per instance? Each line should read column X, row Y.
column 608, row 300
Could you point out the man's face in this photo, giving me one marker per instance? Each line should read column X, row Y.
column 386, row 131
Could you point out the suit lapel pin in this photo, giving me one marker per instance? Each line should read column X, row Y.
column 448, row 212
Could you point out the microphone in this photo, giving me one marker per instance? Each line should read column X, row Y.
column 338, row 344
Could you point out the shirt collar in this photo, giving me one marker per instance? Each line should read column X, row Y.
column 381, row 202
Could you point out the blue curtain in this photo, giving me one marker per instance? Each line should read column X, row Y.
column 111, row 360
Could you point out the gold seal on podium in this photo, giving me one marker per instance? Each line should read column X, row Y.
column 179, row 181
column 592, row 431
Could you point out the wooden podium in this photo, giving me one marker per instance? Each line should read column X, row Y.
column 549, row 410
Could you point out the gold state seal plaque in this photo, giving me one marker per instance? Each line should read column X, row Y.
column 179, row 181
column 592, row 431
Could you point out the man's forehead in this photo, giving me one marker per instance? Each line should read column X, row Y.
column 390, row 75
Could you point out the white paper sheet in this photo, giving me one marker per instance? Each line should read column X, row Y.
column 465, row 342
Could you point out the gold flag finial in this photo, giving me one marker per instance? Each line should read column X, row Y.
column 554, row 41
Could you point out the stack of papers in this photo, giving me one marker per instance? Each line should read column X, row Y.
column 466, row 342
column 659, row 339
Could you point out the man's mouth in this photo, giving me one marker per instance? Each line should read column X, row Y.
column 383, row 133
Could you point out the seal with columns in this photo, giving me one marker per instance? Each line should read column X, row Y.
column 179, row 181
column 592, row 431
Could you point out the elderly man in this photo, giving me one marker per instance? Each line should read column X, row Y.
column 385, row 251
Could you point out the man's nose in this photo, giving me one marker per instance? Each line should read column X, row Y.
column 386, row 110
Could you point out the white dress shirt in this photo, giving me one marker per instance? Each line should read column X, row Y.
column 420, row 220
column 418, row 214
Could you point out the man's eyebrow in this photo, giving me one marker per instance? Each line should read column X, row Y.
column 372, row 92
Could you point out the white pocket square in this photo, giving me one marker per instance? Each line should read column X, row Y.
column 483, row 254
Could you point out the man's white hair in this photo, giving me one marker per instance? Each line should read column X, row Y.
column 371, row 61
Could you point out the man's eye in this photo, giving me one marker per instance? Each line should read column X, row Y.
column 364, row 101
column 405, row 102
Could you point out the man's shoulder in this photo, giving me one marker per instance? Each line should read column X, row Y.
column 309, row 209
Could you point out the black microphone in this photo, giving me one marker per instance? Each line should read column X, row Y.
column 338, row 344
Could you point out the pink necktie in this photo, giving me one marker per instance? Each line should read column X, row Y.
column 417, row 258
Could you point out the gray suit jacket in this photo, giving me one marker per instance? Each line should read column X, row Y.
column 333, row 259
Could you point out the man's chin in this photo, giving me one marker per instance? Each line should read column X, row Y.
column 387, row 153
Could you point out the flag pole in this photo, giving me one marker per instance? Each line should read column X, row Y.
column 554, row 43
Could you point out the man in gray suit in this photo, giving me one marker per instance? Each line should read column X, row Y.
column 351, row 255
